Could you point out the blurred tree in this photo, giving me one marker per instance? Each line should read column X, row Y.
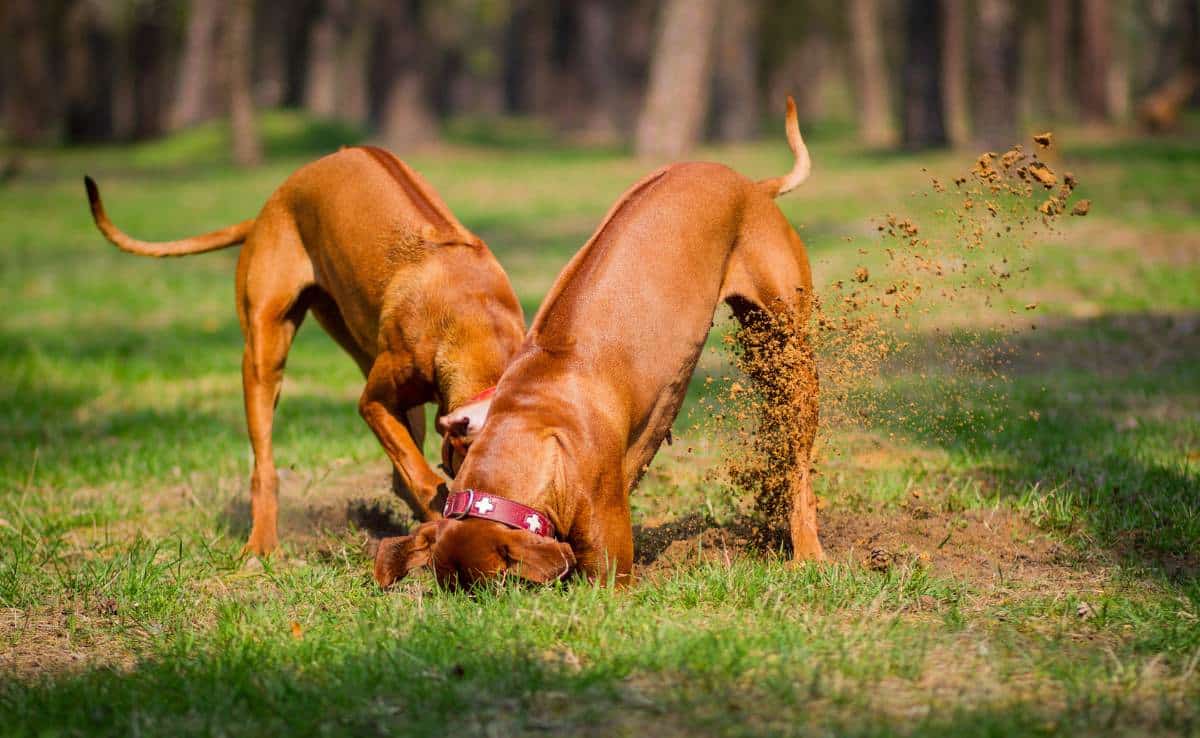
column 996, row 73
column 30, row 106
column 599, row 68
column 294, row 21
column 147, row 74
column 677, row 96
column 870, row 74
column 1095, row 54
column 736, row 90
column 406, row 121
column 329, row 33
column 353, row 58
column 271, row 29
column 528, row 63
column 801, row 73
column 636, row 51
column 1058, row 51
column 89, row 73
column 800, row 50
column 1174, row 76
column 247, row 149
column 469, row 39
column 954, row 71
column 924, row 124
column 194, row 89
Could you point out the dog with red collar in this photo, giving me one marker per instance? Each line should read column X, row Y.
column 593, row 390
column 526, row 544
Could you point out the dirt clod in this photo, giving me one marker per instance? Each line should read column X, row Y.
column 1042, row 174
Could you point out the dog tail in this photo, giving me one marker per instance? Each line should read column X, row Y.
column 221, row 239
column 777, row 186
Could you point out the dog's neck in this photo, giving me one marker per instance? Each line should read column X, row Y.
column 531, row 466
column 465, row 367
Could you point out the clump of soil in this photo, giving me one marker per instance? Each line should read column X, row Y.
column 964, row 259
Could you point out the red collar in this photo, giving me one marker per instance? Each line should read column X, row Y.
column 472, row 503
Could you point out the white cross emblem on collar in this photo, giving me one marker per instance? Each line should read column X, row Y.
column 533, row 523
column 485, row 506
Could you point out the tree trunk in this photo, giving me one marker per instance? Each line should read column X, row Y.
column 149, row 69
column 870, row 74
column 30, row 104
column 1058, row 47
column 924, row 125
column 518, row 57
column 406, row 120
column 88, row 74
column 320, row 96
column 353, row 57
column 736, row 85
column 193, row 94
column 636, row 53
column 954, row 71
column 996, row 66
column 247, row 149
column 1119, row 79
column 601, row 86
column 677, row 97
column 271, row 53
column 1095, row 50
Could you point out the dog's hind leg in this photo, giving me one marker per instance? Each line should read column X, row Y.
column 273, row 273
column 769, row 288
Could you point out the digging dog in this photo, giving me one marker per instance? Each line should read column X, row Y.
column 601, row 375
column 362, row 242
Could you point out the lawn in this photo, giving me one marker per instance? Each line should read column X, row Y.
column 1012, row 552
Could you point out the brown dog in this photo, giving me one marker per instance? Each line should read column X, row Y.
column 416, row 299
column 602, row 373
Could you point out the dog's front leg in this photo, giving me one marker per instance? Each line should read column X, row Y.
column 418, row 482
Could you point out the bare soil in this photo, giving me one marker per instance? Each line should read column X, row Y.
column 984, row 548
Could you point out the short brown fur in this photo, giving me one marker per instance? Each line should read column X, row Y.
column 601, row 375
column 363, row 243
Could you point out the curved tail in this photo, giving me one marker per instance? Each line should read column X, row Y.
column 221, row 239
column 777, row 186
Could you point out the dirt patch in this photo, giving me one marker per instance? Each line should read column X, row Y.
column 976, row 546
column 316, row 503
column 54, row 641
column 984, row 548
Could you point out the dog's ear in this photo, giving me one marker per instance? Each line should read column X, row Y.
column 465, row 422
column 399, row 555
column 536, row 558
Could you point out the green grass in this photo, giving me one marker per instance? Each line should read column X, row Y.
column 1043, row 530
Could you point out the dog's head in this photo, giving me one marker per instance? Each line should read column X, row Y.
column 466, row 552
column 459, row 429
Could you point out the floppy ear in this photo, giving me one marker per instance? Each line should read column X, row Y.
column 399, row 555
column 466, row 421
column 535, row 558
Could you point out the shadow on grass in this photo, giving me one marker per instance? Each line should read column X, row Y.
column 438, row 680
column 379, row 517
column 1092, row 430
